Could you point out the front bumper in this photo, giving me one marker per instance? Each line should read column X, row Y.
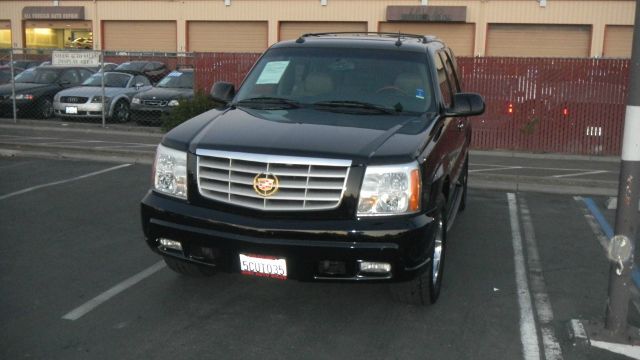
column 216, row 238
column 89, row 109
column 149, row 113
column 22, row 106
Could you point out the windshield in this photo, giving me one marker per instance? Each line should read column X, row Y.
column 330, row 78
column 177, row 79
column 110, row 80
column 137, row 66
column 38, row 76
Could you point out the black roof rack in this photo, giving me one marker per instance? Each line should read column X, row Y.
column 423, row 38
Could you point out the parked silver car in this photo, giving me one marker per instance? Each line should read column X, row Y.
column 86, row 100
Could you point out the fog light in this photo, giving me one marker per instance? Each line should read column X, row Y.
column 375, row 267
column 333, row 268
column 170, row 244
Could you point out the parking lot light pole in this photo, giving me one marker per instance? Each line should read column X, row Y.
column 622, row 246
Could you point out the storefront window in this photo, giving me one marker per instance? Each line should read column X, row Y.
column 5, row 38
column 59, row 38
column 59, row 34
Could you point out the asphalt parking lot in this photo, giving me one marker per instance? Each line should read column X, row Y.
column 78, row 282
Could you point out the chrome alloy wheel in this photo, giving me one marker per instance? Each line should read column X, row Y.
column 437, row 253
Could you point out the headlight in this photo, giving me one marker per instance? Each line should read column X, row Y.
column 173, row 103
column 24, row 97
column 135, row 100
column 170, row 172
column 98, row 99
column 390, row 190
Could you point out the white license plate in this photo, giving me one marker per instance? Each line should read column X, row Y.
column 71, row 110
column 264, row 266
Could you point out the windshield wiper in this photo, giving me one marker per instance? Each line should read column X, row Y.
column 354, row 105
column 268, row 101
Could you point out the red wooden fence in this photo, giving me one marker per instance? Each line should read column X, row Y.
column 557, row 105
column 230, row 67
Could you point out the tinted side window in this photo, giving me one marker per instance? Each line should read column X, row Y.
column 443, row 82
column 84, row 74
column 141, row 80
column 70, row 76
column 451, row 68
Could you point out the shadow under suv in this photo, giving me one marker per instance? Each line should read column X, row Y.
column 342, row 157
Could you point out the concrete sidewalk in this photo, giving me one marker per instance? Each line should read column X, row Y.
column 499, row 170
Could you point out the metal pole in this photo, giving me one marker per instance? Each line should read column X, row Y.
column 13, row 87
column 623, row 244
column 104, row 121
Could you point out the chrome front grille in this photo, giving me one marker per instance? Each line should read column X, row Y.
column 73, row 99
column 155, row 102
column 303, row 183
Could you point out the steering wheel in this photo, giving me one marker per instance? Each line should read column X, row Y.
column 393, row 89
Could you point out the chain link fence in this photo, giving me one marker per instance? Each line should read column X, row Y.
column 145, row 88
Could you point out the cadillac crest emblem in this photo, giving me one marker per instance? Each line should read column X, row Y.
column 265, row 184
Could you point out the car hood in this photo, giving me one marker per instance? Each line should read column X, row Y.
column 89, row 91
column 166, row 93
column 364, row 139
column 25, row 87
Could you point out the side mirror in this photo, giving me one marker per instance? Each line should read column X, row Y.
column 139, row 85
column 222, row 92
column 466, row 104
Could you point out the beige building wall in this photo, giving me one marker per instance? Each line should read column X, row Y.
column 596, row 13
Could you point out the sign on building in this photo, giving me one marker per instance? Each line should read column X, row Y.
column 53, row 13
column 77, row 58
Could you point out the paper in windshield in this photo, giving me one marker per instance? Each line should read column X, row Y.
column 272, row 72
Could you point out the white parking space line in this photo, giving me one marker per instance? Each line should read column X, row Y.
column 552, row 350
column 83, row 309
column 528, row 333
column 490, row 165
column 580, row 174
column 8, row 166
column 496, row 169
column 124, row 146
column 58, row 140
column 70, row 142
column 18, row 137
column 6, row 196
column 537, row 167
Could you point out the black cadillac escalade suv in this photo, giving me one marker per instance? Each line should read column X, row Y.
column 342, row 157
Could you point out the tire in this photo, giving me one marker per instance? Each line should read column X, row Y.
column 425, row 288
column 45, row 109
column 188, row 269
column 121, row 112
column 464, row 183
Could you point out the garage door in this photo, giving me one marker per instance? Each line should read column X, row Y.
column 538, row 40
column 617, row 41
column 228, row 36
column 292, row 30
column 459, row 37
column 140, row 35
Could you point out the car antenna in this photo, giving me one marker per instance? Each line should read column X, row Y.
column 398, row 42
